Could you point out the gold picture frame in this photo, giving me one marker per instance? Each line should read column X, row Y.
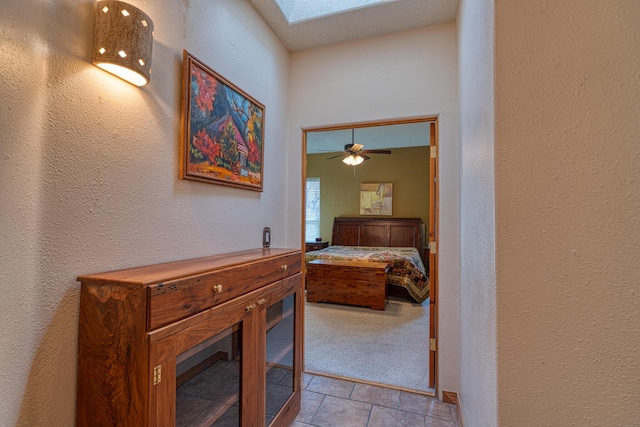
column 376, row 199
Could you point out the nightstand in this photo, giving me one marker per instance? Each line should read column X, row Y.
column 315, row 246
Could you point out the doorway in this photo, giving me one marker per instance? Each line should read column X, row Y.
column 324, row 148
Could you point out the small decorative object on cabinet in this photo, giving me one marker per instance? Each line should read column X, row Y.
column 315, row 246
column 208, row 341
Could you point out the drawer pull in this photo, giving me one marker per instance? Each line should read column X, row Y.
column 217, row 288
column 283, row 267
column 251, row 307
column 261, row 301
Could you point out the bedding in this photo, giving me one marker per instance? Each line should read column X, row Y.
column 406, row 267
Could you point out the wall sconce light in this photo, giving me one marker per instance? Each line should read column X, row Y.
column 123, row 41
column 352, row 160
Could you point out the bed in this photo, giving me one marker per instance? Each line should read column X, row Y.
column 394, row 241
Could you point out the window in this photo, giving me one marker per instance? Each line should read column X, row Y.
column 312, row 211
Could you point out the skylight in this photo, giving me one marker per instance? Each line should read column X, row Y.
column 305, row 10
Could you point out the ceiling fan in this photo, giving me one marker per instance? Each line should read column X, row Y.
column 354, row 153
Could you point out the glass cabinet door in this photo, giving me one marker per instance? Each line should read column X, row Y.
column 279, row 355
column 235, row 365
column 208, row 378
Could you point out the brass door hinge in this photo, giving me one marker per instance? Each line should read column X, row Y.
column 157, row 375
column 432, row 344
column 432, row 151
column 433, row 248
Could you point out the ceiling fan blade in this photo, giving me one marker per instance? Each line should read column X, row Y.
column 364, row 156
column 334, row 157
column 376, row 151
column 357, row 147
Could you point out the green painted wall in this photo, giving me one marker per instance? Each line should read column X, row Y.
column 406, row 168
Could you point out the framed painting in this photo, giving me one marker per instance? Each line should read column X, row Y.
column 222, row 129
column 376, row 199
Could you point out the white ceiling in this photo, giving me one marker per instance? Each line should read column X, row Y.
column 315, row 23
column 377, row 137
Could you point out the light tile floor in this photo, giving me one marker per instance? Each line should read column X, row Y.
column 330, row 402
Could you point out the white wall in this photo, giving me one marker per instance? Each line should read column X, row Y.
column 549, row 117
column 405, row 74
column 478, row 369
column 567, row 190
column 567, row 168
column 89, row 174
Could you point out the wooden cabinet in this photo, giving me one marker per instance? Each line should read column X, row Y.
column 315, row 246
column 208, row 341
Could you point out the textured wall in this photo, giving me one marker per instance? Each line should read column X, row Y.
column 405, row 74
column 90, row 182
column 477, row 216
column 567, row 186
column 23, row 75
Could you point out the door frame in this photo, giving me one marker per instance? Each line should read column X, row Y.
column 433, row 222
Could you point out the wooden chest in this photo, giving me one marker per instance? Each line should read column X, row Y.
column 348, row 282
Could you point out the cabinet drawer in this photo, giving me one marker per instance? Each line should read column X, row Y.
column 174, row 300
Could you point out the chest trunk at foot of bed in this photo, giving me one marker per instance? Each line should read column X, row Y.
column 348, row 282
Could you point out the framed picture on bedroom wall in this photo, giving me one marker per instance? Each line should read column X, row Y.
column 222, row 129
column 376, row 199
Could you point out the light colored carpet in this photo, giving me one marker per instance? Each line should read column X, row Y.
column 387, row 347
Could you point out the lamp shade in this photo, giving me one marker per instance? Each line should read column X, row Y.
column 123, row 41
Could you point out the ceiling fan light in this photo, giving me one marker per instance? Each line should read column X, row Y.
column 349, row 160
column 352, row 160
